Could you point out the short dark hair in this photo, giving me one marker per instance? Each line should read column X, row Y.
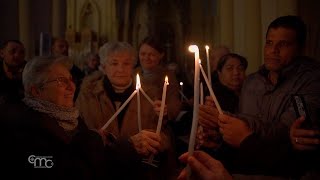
column 154, row 42
column 223, row 60
column 291, row 22
column 5, row 43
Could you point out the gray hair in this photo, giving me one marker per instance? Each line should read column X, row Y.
column 111, row 48
column 35, row 73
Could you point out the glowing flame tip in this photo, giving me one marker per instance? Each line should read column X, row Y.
column 138, row 84
column 166, row 80
column 193, row 48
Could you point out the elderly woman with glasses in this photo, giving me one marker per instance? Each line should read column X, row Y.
column 45, row 130
column 101, row 95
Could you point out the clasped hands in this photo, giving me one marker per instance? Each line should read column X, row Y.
column 232, row 129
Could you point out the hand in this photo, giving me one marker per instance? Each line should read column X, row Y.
column 303, row 139
column 107, row 137
column 157, row 108
column 209, row 101
column 146, row 142
column 209, row 138
column 233, row 130
column 103, row 135
column 204, row 167
column 208, row 117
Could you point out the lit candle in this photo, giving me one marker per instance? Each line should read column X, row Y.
column 119, row 110
column 163, row 102
column 138, row 86
column 211, row 91
column 208, row 63
column 195, row 50
column 181, row 90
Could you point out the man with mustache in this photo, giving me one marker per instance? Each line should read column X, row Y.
column 261, row 128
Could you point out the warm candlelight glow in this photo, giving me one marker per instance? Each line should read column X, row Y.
column 138, row 84
column 181, row 83
column 193, row 48
column 195, row 116
column 163, row 102
column 208, row 63
column 166, row 80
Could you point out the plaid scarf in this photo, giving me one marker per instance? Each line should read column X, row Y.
column 67, row 117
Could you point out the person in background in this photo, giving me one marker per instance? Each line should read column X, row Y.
column 43, row 136
column 231, row 75
column 12, row 53
column 152, row 73
column 215, row 55
column 231, row 70
column 60, row 47
column 92, row 62
column 102, row 94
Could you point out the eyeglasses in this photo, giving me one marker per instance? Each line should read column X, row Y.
column 62, row 81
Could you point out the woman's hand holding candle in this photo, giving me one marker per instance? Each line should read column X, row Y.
column 146, row 142
column 208, row 117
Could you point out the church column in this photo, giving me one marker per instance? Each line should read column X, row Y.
column 226, row 22
column 71, row 9
column 247, row 32
column 253, row 34
column 24, row 27
column 56, row 18
column 114, row 22
column 126, row 20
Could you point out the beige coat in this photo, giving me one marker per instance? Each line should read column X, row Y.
column 96, row 109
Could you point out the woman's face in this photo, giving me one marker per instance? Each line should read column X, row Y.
column 232, row 74
column 59, row 88
column 93, row 62
column 119, row 68
column 149, row 57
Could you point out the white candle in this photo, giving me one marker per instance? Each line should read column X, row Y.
column 138, row 86
column 211, row 91
column 119, row 110
column 208, row 63
column 163, row 102
column 181, row 90
column 201, row 93
column 195, row 50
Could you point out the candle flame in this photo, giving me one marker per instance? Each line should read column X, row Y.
column 166, row 80
column 207, row 47
column 193, row 48
column 138, row 85
column 181, row 83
